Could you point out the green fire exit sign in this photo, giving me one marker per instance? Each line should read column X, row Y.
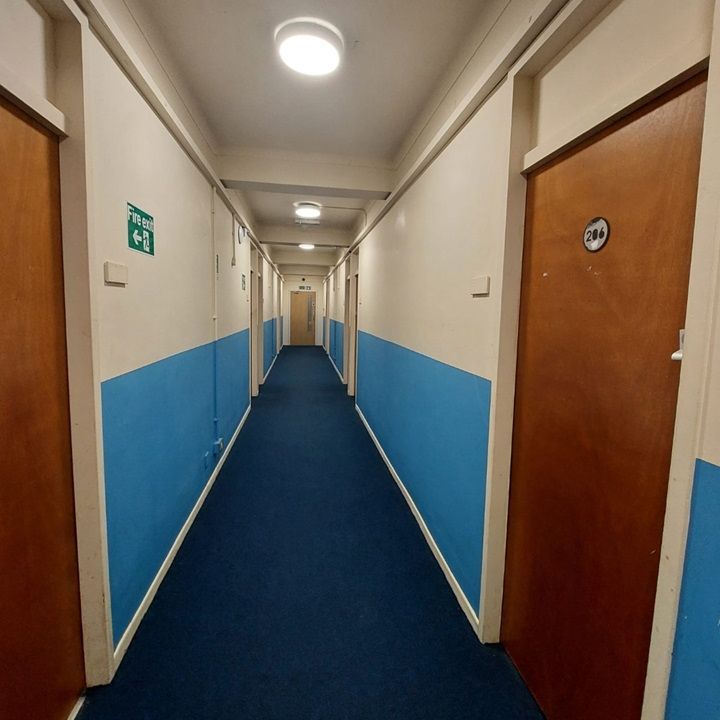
column 141, row 230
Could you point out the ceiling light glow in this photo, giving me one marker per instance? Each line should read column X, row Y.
column 307, row 210
column 309, row 46
column 306, row 246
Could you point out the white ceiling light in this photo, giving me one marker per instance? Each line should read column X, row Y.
column 307, row 210
column 306, row 246
column 309, row 46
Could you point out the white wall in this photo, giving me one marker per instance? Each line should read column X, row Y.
column 167, row 305
column 417, row 265
column 233, row 301
column 627, row 51
column 294, row 282
column 337, row 294
column 27, row 45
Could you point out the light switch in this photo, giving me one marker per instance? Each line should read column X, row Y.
column 116, row 273
column 480, row 286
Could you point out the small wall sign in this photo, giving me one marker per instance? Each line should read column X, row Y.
column 304, row 287
column 141, row 230
column 596, row 234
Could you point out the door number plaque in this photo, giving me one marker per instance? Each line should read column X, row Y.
column 596, row 234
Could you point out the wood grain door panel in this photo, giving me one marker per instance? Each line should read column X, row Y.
column 595, row 406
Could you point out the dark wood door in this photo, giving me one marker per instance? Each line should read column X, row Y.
column 302, row 318
column 595, row 407
column 41, row 658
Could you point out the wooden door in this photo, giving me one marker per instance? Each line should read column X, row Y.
column 302, row 318
column 41, row 655
column 595, row 407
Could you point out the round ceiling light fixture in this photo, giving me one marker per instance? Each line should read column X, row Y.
column 306, row 246
column 307, row 210
column 309, row 46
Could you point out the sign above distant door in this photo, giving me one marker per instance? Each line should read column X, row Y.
column 596, row 234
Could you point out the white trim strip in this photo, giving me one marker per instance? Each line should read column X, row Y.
column 335, row 368
column 18, row 92
column 76, row 708
column 270, row 368
column 129, row 633
column 459, row 594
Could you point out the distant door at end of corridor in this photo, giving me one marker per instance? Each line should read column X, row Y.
column 302, row 318
column 608, row 239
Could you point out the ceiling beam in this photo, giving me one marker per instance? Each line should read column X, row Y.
column 304, row 270
column 293, row 235
column 306, row 175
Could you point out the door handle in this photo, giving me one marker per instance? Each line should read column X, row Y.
column 678, row 354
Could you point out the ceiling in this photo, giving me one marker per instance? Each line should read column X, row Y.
column 280, row 137
column 395, row 53
column 277, row 209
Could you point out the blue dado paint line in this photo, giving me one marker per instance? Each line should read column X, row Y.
column 432, row 421
column 337, row 331
column 158, row 435
column 695, row 677
column 269, row 345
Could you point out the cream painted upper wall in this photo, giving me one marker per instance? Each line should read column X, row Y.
column 150, row 48
column 270, row 280
column 629, row 49
column 417, row 265
column 233, row 302
column 167, row 305
column 337, row 294
column 27, row 45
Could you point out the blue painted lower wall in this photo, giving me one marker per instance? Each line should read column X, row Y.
column 432, row 421
column 233, row 378
column 149, row 492
column 269, row 343
column 337, row 334
column 695, row 677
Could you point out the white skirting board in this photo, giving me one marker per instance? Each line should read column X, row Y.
column 128, row 635
column 332, row 362
column 270, row 368
column 76, row 708
column 459, row 594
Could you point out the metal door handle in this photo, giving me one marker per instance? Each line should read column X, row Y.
column 678, row 354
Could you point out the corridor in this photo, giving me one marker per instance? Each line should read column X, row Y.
column 360, row 360
column 305, row 588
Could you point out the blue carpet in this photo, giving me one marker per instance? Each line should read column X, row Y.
column 305, row 588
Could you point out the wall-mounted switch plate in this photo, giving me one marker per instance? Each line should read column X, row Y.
column 480, row 286
column 115, row 273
